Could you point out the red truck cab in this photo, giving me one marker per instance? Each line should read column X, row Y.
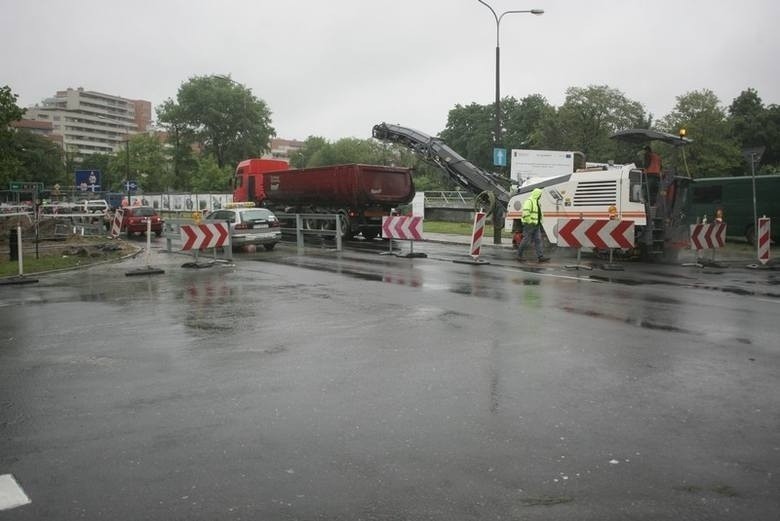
column 248, row 181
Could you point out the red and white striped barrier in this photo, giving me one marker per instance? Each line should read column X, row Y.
column 708, row 236
column 402, row 227
column 116, row 224
column 764, row 238
column 476, row 235
column 202, row 236
column 595, row 233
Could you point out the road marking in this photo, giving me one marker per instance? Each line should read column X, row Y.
column 11, row 494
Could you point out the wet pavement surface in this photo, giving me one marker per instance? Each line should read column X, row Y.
column 323, row 385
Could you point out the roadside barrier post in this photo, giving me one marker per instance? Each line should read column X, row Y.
column 116, row 223
column 763, row 239
column 197, row 237
column 403, row 227
column 338, row 233
column 477, row 233
column 299, row 231
column 19, row 279
column 148, row 270
column 19, row 250
column 707, row 236
column 228, row 248
column 595, row 233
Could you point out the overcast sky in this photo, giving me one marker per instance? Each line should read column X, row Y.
column 334, row 68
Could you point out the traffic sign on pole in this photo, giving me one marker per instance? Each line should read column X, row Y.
column 88, row 180
column 499, row 156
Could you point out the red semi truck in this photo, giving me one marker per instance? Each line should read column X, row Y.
column 359, row 194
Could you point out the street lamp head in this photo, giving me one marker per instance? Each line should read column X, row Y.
column 537, row 12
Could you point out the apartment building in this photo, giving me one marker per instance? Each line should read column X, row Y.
column 92, row 122
column 283, row 148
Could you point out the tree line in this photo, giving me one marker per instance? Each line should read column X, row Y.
column 214, row 122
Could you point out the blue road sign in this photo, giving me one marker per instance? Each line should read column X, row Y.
column 131, row 186
column 88, row 180
column 499, row 157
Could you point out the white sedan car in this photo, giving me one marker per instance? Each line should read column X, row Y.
column 257, row 226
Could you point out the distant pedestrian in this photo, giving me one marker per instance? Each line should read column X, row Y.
column 532, row 226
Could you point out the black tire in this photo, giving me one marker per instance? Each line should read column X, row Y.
column 158, row 233
column 485, row 201
column 270, row 246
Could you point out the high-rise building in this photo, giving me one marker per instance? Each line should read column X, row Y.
column 92, row 122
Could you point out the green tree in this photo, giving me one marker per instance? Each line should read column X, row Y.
column 230, row 122
column 470, row 128
column 9, row 112
column 25, row 156
column 147, row 163
column 754, row 125
column 180, row 137
column 713, row 151
column 587, row 119
column 347, row 150
column 210, row 177
column 469, row 132
column 311, row 146
column 524, row 120
column 39, row 159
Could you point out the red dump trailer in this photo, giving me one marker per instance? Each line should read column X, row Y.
column 359, row 194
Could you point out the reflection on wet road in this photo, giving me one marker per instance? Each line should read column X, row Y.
column 359, row 386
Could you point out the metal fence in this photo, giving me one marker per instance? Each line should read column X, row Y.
column 451, row 199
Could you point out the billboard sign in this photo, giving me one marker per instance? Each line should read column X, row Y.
column 528, row 164
column 88, row 180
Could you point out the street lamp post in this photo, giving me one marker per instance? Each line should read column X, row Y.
column 497, row 137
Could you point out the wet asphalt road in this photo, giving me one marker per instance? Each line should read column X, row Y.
column 330, row 386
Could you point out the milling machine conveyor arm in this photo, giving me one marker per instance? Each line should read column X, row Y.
column 437, row 152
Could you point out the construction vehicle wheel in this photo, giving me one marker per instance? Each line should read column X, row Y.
column 486, row 202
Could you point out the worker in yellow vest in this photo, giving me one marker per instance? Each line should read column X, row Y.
column 532, row 226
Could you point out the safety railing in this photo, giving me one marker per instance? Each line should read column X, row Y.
column 313, row 224
column 449, row 199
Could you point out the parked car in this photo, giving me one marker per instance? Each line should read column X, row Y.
column 134, row 220
column 249, row 225
column 93, row 206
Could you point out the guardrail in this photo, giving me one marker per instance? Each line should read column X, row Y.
column 172, row 228
column 301, row 230
column 449, row 199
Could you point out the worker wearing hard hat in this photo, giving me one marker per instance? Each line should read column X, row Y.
column 532, row 226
